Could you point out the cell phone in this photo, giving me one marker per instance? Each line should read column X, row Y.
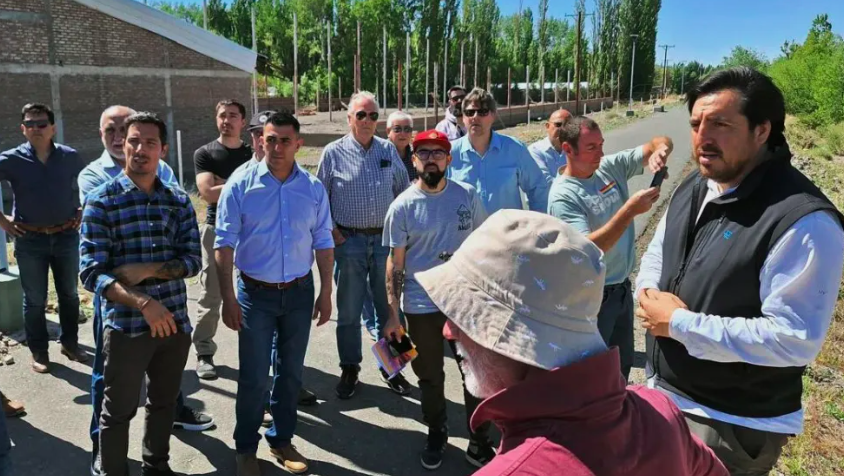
column 402, row 345
column 659, row 177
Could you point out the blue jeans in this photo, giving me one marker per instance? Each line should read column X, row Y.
column 36, row 254
column 361, row 263
column 97, row 385
column 5, row 448
column 288, row 314
column 368, row 315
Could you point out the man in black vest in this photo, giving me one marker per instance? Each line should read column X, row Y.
column 738, row 286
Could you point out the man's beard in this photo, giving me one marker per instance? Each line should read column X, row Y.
column 456, row 111
column 479, row 373
column 432, row 178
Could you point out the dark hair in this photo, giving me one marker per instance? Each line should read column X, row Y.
column 456, row 87
column 38, row 108
column 761, row 99
column 482, row 97
column 570, row 132
column 231, row 102
column 283, row 118
column 148, row 118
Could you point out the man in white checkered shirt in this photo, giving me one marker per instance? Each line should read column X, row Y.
column 362, row 175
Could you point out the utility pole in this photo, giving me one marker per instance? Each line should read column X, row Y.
column 476, row 61
column 357, row 66
column 462, row 65
column 665, row 69
column 295, row 66
column 384, row 106
column 254, row 73
column 632, row 69
column 407, row 71
column 683, row 81
column 330, row 104
column 204, row 14
column 427, row 70
column 445, row 63
column 578, row 53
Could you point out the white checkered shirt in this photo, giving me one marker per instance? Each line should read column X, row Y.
column 361, row 184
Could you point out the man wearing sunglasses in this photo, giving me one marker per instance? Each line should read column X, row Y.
column 362, row 174
column 452, row 125
column 498, row 166
column 425, row 225
column 548, row 152
column 46, row 218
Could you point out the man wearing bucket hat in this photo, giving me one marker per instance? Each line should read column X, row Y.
column 424, row 226
column 522, row 295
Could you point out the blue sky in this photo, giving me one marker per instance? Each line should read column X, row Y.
column 706, row 30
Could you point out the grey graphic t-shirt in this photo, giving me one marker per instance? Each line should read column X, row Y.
column 431, row 227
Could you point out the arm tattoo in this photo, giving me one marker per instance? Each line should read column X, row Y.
column 173, row 269
column 398, row 283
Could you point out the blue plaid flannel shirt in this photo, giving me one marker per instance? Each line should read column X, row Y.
column 122, row 224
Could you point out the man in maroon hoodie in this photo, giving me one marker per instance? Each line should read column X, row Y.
column 522, row 296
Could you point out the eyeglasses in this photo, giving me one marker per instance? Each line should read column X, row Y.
column 361, row 115
column 558, row 125
column 430, row 155
column 458, row 98
column 40, row 123
column 400, row 129
column 472, row 112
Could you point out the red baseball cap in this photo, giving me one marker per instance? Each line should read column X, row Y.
column 432, row 136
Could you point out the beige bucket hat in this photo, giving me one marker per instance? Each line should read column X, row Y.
column 525, row 285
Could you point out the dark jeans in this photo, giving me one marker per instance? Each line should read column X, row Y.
column 426, row 330
column 615, row 322
column 97, row 385
column 744, row 451
column 5, row 448
column 127, row 360
column 37, row 254
column 361, row 262
column 287, row 313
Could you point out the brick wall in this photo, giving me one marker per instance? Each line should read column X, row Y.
column 84, row 37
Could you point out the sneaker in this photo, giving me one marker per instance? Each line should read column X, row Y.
column 432, row 456
column 348, row 381
column 267, row 422
column 307, row 397
column 97, row 464
column 12, row 408
column 480, row 452
column 74, row 354
column 41, row 362
column 397, row 384
column 247, row 465
column 205, row 367
column 291, row 459
column 193, row 420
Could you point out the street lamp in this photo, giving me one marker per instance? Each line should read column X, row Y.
column 632, row 66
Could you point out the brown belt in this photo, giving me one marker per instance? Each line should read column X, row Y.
column 264, row 284
column 48, row 230
column 362, row 231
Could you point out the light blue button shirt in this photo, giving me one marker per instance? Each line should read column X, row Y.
column 273, row 227
column 506, row 167
column 105, row 168
column 547, row 158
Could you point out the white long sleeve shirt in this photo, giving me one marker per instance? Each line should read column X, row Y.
column 799, row 288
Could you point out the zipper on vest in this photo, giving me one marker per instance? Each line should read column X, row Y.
column 698, row 244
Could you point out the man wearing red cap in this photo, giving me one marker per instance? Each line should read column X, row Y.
column 424, row 226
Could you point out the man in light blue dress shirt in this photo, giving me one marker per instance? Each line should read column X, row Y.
column 273, row 217
column 548, row 152
column 498, row 166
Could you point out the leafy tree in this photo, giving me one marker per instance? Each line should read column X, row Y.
column 741, row 56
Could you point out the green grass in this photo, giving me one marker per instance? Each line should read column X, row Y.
column 819, row 450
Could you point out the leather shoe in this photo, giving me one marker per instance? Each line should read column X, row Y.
column 75, row 354
column 290, row 459
column 12, row 408
column 41, row 362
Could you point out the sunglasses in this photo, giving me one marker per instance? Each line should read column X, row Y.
column 400, row 129
column 430, row 155
column 558, row 125
column 361, row 115
column 472, row 112
column 458, row 98
column 41, row 124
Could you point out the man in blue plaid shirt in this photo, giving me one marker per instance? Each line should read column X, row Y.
column 139, row 241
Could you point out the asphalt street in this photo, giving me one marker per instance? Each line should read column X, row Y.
column 374, row 433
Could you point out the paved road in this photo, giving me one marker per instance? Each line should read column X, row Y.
column 377, row 432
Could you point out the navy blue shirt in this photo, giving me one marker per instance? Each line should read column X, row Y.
column 46, row 194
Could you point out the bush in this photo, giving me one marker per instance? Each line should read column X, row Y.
column 834, row 137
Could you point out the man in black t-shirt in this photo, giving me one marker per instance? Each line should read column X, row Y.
column 214, row 163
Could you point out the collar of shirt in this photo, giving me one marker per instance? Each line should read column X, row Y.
column 107, row 161
column 495, row 144
column 263, row 170
column 129, row 186
column 547, row 146
column 29, row 150
column 352, row 142
column 600, row 391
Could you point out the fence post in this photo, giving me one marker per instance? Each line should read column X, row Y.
column 179, row 155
